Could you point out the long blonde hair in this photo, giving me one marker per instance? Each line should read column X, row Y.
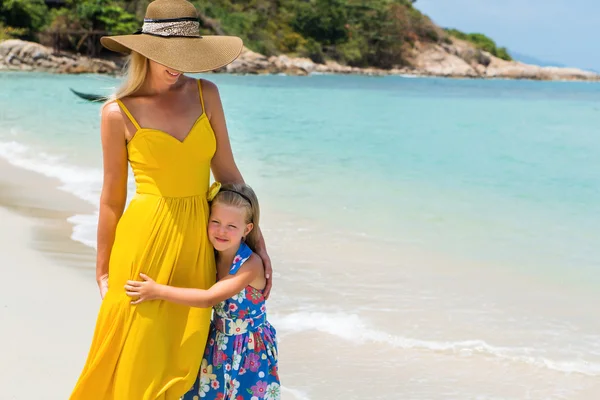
column 136, row 69
column 238, row 195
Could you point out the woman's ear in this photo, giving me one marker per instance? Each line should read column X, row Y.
column 249, row 228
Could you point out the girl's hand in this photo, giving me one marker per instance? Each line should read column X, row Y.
column 144, row 291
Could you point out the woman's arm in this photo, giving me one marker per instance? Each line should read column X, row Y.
column 223, row 165
column 114, row 187
column 222, row 290
column 261, row 250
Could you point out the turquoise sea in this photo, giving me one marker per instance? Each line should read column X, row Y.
column 451, row 226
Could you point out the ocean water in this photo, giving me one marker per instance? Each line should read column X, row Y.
column 435, row 238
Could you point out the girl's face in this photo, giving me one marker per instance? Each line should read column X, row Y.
column 160, row 73
column 227, row 226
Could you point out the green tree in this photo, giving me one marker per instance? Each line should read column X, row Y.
column 104, row 15
column 27, row 16
column 362, row 33
column 73, row 24
column 322, row 20
column 482, row 42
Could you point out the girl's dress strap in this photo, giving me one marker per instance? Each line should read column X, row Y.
column 242, row 255
column 201, row 96
column 126, row 111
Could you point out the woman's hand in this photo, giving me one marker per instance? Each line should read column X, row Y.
column 144, row 291
column 268, row 271
column 103, row 285
column 261, row 250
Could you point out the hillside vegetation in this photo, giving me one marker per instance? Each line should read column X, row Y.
column 378, row 33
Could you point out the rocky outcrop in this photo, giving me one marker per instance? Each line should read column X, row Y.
column 250, row 62
column 437, row 61
column 19, row 55
column 515, row 70
column 460, row 59
column 457, row 59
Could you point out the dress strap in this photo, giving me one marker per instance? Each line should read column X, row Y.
column 126, row 111
column 242, row 255
column 201, row 96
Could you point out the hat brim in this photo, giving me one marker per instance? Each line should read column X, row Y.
column 192, row 55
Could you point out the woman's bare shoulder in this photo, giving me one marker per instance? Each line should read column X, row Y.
column 112, row 119
column 209, row 88
column 111, row 112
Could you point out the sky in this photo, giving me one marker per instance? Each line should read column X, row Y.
column 561, row 31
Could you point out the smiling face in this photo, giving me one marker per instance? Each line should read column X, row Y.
column 160, row 73
column 227, row 226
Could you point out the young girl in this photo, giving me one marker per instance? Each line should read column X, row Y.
column 240, row 360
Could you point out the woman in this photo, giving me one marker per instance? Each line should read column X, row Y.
column 172, row 130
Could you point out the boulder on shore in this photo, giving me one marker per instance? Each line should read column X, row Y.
column 20, row 55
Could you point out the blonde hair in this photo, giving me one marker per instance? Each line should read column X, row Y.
column 136, row 69
column 238, row 195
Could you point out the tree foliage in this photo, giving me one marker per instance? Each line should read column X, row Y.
column 23, row 18
column 482, row 42
column 356, row 32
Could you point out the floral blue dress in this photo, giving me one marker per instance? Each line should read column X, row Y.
column 240, row 360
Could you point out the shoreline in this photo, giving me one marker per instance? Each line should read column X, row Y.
column 37, row 237
column 456, row 60
column 53, row 231
column 47, row 216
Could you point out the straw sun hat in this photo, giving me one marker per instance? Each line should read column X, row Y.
column 171, row 37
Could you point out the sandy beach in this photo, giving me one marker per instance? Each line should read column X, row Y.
column 48, row 296
column 49, row 301
column 461, row 275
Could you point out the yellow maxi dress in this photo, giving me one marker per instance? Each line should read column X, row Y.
column 153, row 350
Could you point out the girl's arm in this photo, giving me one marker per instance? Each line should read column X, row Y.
column 114, row 187
column 223, row 164
column 222, row 290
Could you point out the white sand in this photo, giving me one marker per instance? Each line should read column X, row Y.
column 48, row 295
column 47, row 314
